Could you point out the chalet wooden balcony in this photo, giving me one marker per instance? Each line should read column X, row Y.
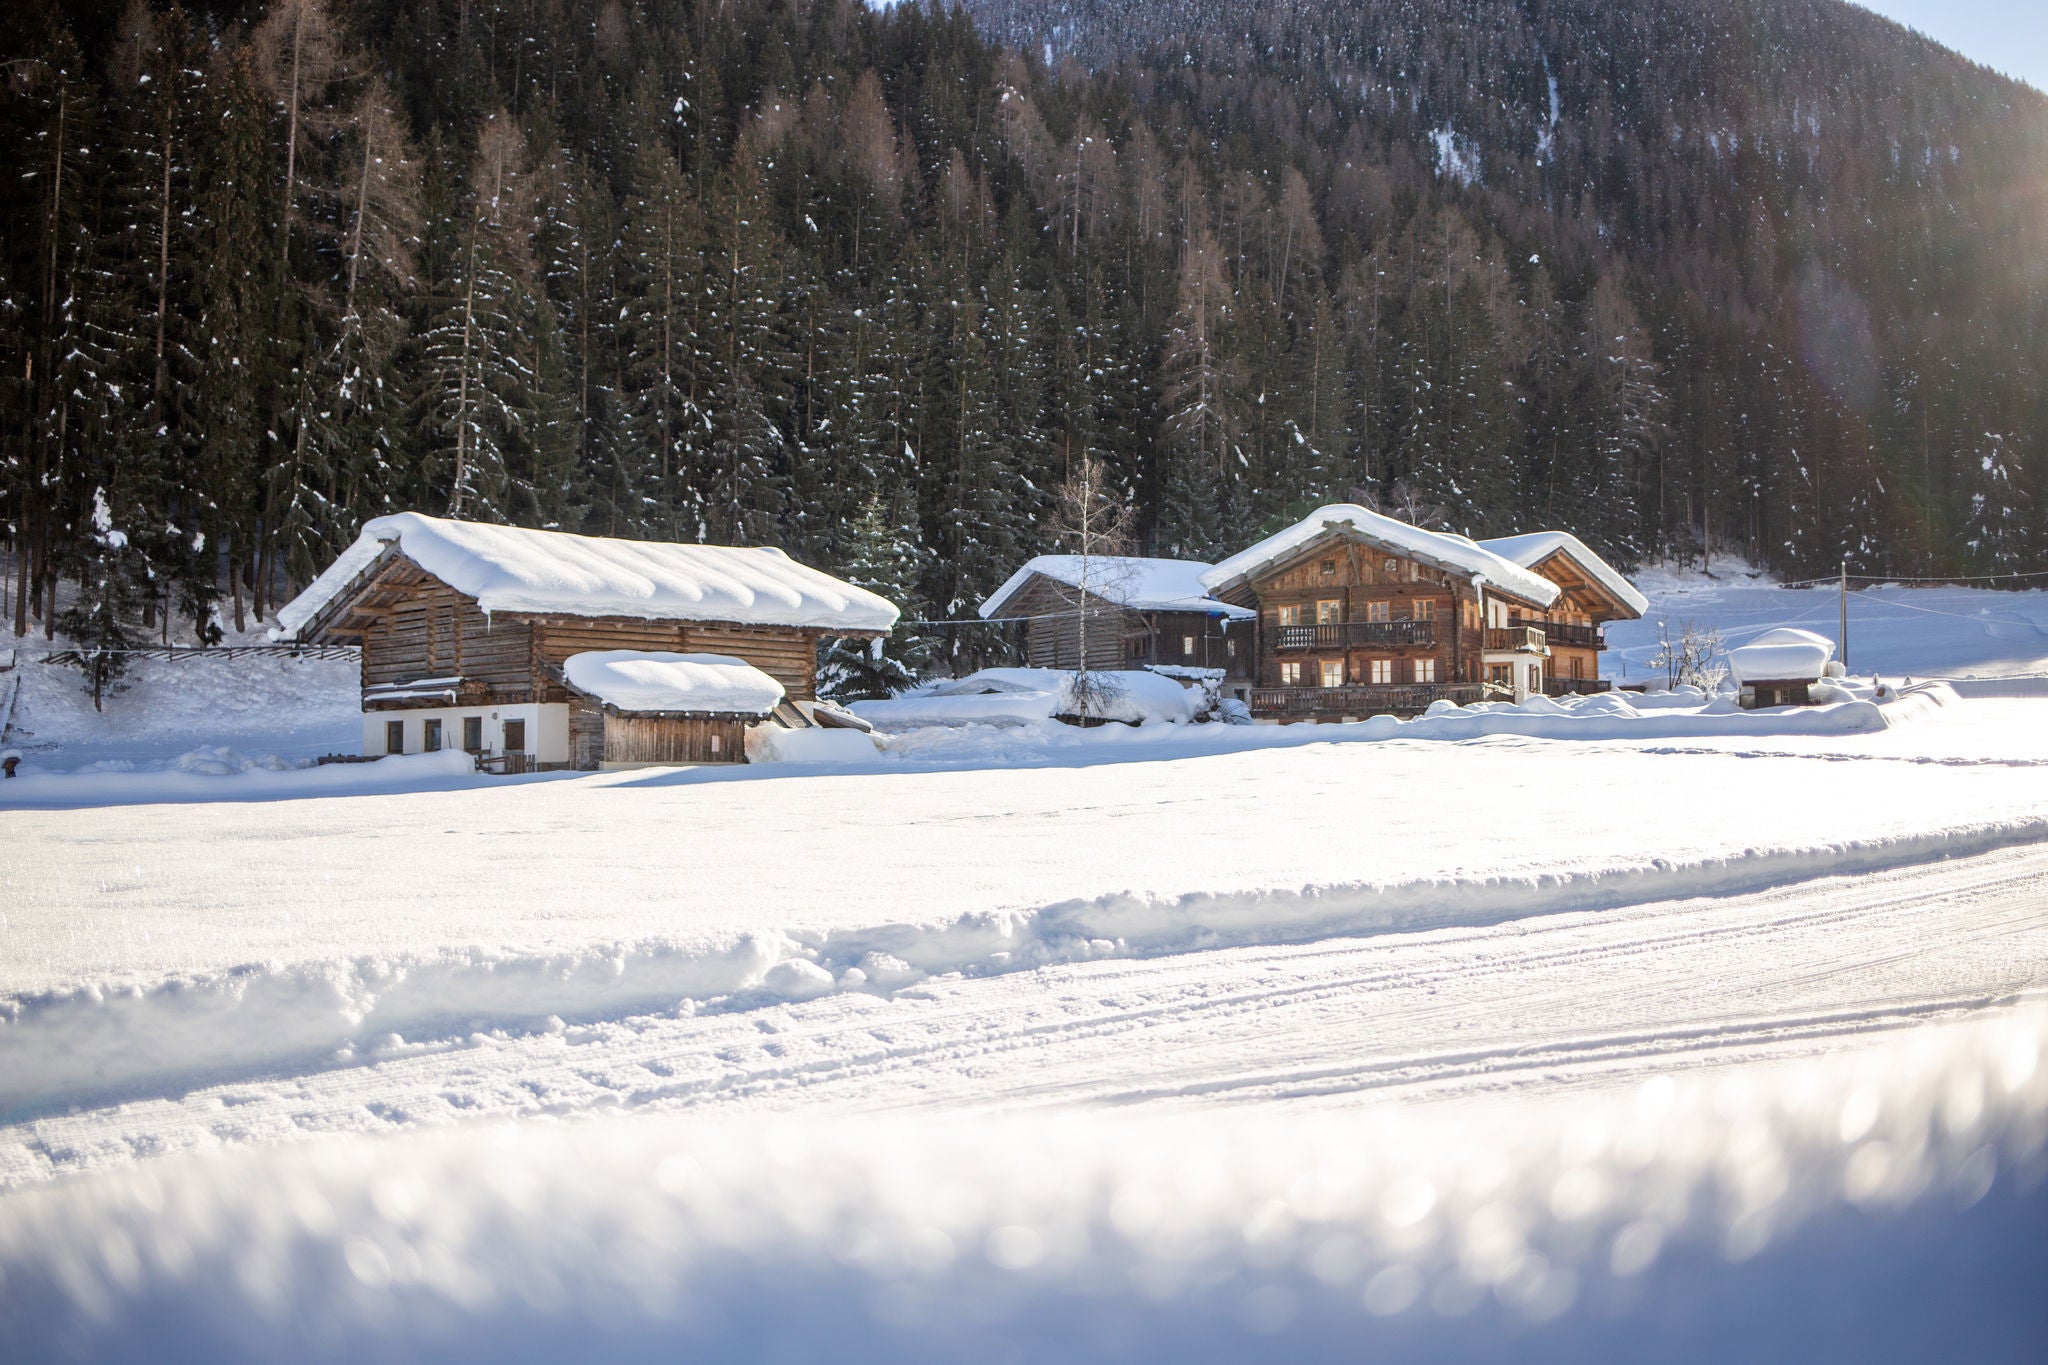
column 1575, row 637
column 1575, row 687
column 1520, row 639
column 1308, row 703
column 1353, row 634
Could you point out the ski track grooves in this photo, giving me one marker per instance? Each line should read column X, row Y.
column 102, row 1043
column 1560, row 1001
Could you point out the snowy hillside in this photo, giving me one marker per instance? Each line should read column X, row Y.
column 1897, row 630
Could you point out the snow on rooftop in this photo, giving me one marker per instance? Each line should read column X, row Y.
column 1141, row 584
column 635, row 681
column 1781, row 655
column 1453, row 551
column 512, row 569
column 1536, row 546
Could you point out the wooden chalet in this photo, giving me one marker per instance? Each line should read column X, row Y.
column 466, row 631
column 1359, row 614
column 1137, row 613
column 1590, row 594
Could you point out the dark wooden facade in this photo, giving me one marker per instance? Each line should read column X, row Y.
column 1572, row 624
column 1124, row 637
column 1350, row 628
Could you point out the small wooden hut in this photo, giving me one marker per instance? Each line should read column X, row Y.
column 661, row 709
column 1137, row 613
column 1780, row 667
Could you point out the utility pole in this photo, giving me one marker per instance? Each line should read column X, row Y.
column 1845, row 614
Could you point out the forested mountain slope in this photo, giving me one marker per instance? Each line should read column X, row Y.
column 1761, row 276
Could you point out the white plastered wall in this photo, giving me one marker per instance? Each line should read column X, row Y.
column 547, row 728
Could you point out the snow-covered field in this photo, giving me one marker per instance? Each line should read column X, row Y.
column 1897, row 630
column 1539, row 1033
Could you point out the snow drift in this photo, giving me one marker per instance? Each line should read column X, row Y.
column 109, row 1041
column 1881, row 1205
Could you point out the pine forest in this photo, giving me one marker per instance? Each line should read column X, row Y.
column 868, row 284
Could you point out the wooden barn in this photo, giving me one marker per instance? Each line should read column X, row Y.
column 1138, row 613
column 1591, row 592
column 1359, row 614
column 466, row 631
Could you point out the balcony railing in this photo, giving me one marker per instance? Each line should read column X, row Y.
column 1521, row 639
column 1577, row 637
column 1346, row 634
column 1572, row 687
column 1282, row 703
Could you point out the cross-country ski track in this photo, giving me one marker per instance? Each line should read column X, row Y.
column 1600, row 998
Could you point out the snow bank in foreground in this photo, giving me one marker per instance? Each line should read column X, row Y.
column 112, row 1041
column 1878, row 1205
column 219, row 773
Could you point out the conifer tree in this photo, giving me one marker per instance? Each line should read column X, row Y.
column 479, row 349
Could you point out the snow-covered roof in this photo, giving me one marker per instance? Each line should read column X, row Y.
column 1781, row 655
column 1140, row 584
column 1533, row 548
column 1451, row 551
column 511, row 569
column 637, row 681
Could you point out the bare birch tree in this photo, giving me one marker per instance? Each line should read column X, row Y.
column 1090, row 519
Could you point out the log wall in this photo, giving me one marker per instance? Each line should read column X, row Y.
column 434, row 631
column 784, row 653
column 674, row 739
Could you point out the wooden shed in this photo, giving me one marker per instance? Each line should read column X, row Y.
column 1134, row 613
column 660, row 709
column 465, row 630
column 1780, row 667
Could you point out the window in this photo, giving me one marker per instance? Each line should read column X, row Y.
column 1535, row 677
column 1329, row 568
column 1187, row 646
column 1290, row 614
column 1329, row 612
column 1378, row 611
column 1392, row 567
column 432, row 743
column 1382, row 670
column 1333, row 672
column 1425, row 670
column 1425, row 608
column 717, row 745
column 515, row 736
column 1502, row 675
column 1290, row 674
column 394, row 736
column 1230, row 649
column 473, row 734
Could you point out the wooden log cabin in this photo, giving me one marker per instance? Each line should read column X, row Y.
column 466, row 630
column 1359, row 614
column 1137, row 613
column 1591, row 592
